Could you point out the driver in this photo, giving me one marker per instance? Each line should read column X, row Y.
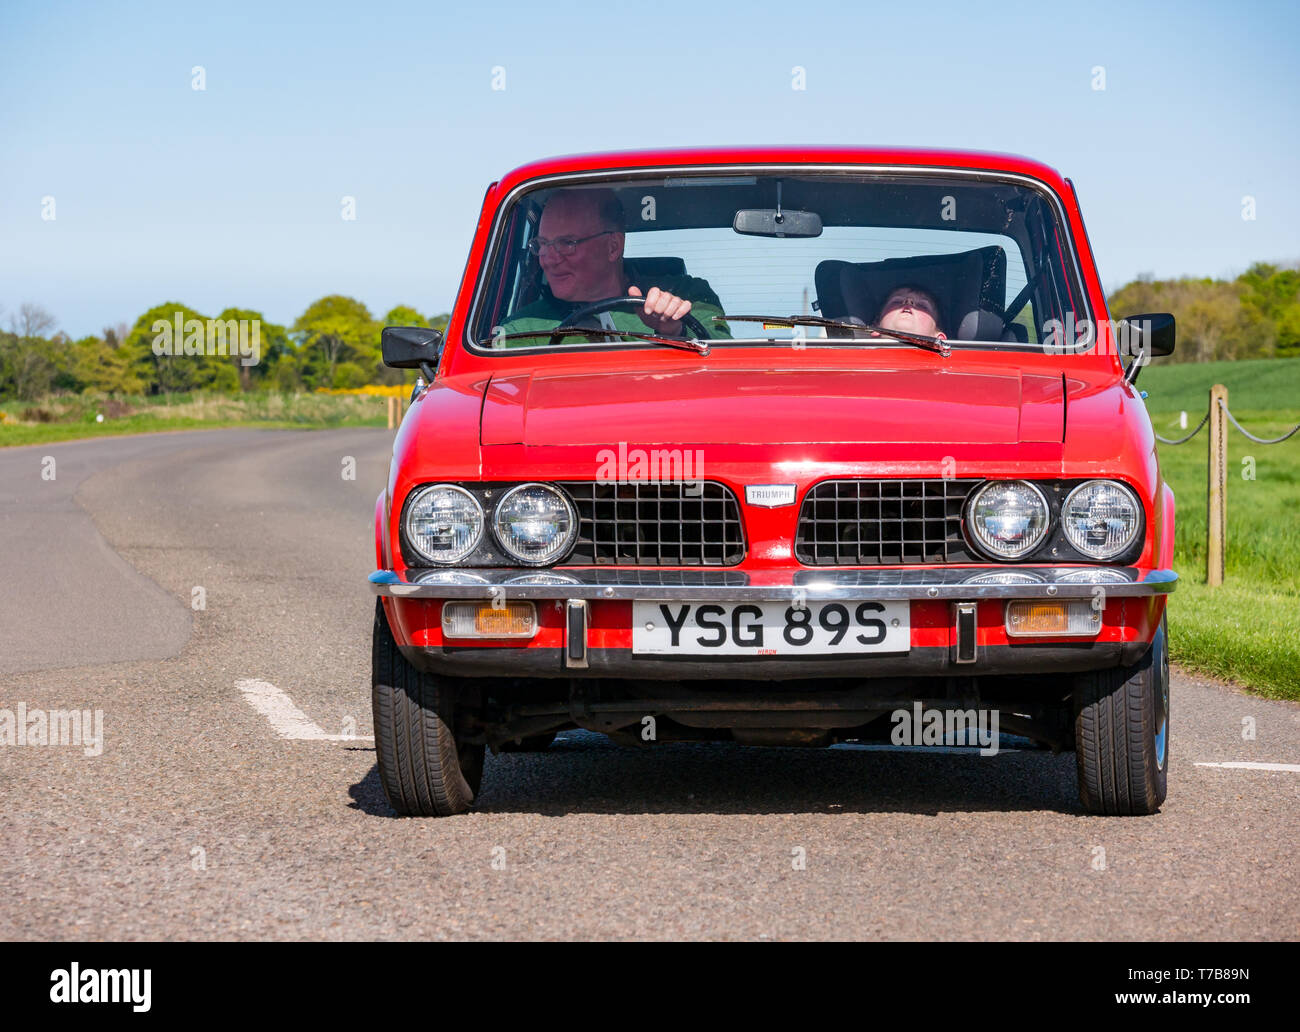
column 580, row 248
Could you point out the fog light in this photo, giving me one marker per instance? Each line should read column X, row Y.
column 1039, row 618
column 482, row 620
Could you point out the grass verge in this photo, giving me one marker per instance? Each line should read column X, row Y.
column 71, row 417
column 1248, row 630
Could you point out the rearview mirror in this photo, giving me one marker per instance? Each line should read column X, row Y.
column 775, row 222
column 410, row 347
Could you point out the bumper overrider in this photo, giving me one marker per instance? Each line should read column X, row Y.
column 956, row 626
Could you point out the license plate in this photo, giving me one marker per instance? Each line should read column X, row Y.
column 769, row 628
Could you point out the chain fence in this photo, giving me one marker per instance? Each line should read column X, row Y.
column 1233, row 419
column 1183, row 440
column 1216, row 505
column 1257, row 440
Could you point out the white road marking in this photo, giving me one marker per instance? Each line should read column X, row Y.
column 286, row 718
column 1293, row 768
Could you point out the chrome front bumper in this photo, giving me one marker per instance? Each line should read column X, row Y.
column 957, row 583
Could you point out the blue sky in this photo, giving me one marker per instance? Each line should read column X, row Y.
column 232, row 195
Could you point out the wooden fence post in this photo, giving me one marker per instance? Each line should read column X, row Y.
column 389, row 400
column 1216, row 510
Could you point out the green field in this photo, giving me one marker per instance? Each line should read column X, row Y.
column 1248, row 630
column 1257, row 385
column 72, row 416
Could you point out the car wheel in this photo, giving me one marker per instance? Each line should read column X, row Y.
column 1121, row 732
column 534, row 743
column 425, row 770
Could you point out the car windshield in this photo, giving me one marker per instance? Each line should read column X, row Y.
column 971, row 261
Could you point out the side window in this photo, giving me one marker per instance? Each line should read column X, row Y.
column 1018, row 277
column 1050, row 299
column 1026, row 319
column 528, row 276
column 517, row 280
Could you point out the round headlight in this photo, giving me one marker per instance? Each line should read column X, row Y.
column 535, row 524
column 443, row 523
column 1008, row 518
column 1101, row 518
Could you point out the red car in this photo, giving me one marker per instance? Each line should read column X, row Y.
column 779, row 446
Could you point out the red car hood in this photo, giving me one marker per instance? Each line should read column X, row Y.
column 765, row 406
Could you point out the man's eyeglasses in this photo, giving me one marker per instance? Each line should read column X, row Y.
column 563, row 246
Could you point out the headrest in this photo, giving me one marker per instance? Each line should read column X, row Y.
column 981, row 324
column 961, row 283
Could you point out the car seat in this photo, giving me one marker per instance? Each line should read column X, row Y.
column 969, row 286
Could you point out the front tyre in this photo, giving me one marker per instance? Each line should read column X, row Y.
column 1121, row 733
column 425, row 770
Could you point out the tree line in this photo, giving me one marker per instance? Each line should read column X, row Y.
column 335, row 342
column 1256, row 315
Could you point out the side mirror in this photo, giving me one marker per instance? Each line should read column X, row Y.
column 1155, row 332
column 411, row 347
column 1147, row 336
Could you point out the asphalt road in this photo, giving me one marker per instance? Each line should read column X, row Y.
column 197, row 820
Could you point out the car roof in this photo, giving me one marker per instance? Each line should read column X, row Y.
column 783, row 155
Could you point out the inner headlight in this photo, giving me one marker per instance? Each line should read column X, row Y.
column 1101, row 518
column 1008, row 518
column 443, row 523
column 535, row 524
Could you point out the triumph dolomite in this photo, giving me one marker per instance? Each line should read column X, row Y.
column 766, row 445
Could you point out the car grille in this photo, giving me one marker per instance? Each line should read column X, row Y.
column 646, row 524
column 883, row 522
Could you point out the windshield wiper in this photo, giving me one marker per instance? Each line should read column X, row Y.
column 920, row 340
column 699, row 347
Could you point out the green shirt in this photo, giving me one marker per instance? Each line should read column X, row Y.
column 547, row 312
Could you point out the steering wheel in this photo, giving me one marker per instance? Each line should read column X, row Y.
column 608, row 304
